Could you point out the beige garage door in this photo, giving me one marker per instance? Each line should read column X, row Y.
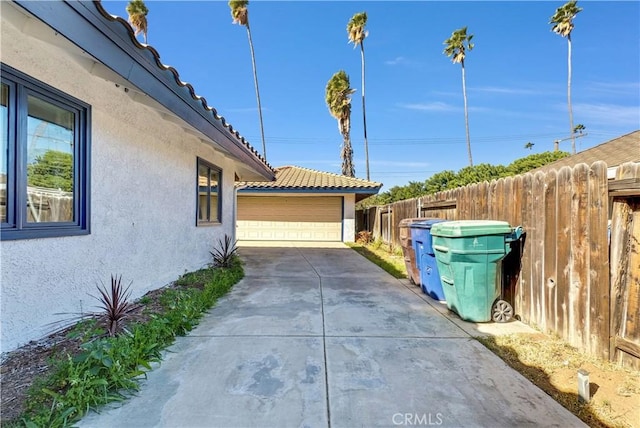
column 281, row 218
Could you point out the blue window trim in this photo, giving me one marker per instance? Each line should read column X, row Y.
column 16, row 227
column 210, row 167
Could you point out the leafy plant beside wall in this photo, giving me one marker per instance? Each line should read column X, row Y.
column 225, row 252
column 114, row 302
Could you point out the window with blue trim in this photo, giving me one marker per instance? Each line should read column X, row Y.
column 44, row 178
column 209, row 197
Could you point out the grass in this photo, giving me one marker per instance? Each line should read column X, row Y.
column 380, row 254
column 544, row 360
column 109, row 369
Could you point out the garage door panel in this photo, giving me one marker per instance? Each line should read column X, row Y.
column 290, row 218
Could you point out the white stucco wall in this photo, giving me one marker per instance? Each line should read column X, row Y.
column 349, row 222
column 143, row 204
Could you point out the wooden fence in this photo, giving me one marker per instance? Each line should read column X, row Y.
column 558, row 277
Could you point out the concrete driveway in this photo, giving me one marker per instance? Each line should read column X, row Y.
column 321, row 337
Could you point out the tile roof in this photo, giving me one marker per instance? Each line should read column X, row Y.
column 298, row 178
column 179, row 82
column 614, row 153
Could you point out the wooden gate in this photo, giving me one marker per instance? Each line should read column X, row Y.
column 625, row 266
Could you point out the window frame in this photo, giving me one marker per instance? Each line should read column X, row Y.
column 21, row 86
column 210, row 167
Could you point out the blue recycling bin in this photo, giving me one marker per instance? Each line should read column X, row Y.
column 426, row 259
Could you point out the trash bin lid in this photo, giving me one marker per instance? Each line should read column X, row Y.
column 426, row 223
column 462, row 228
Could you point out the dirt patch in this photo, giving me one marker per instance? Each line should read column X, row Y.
column 553, row 366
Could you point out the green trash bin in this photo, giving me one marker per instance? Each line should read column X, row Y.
column 469, row 255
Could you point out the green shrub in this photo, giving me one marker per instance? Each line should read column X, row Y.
column 109, row 368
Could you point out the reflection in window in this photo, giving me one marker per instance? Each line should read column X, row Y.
column 50, row 131
column 4, row 156
column 44, row 176
column 209, row 178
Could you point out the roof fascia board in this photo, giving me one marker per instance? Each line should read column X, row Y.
column 286, row 190
column 109, row 43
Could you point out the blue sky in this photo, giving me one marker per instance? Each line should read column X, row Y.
column 516, row 78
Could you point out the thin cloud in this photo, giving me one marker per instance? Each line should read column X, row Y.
column 607, row 114
column 433, row 106
column 401, row 164
column 446, row 94
column 399, row 60
column 440, row 107
column 615, row 88
column 504, row 90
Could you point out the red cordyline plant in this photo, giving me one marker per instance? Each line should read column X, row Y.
column 115, row 304
column 225, row 253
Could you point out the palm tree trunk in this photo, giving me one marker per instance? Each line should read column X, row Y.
column 466, row 114
column 347, row 157
column 255, row 81
column 347, row 151
column 364, row 114
column 573, row 138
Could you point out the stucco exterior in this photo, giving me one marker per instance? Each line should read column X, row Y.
column 143, row 202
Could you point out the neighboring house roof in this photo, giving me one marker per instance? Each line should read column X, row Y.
column 614, row 153
column 111, row 41
column 303, row 180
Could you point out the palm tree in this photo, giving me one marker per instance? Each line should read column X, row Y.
column 137, row 12
column 357, row 34
column 240, row 14
column 562, row 22
column 337, row 96
column 456, row 47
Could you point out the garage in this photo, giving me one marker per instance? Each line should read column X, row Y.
column 290, row 218
column 300, row 205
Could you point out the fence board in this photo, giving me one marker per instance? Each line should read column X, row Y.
column 579, row 288
column 503, row 207
column 482, row 191
column 492, row 200
column 599, row 285
column 563, row 249
column 632, row 324
column 550, row 256
column 538, row 289
column 524, row 296
column 513, row 262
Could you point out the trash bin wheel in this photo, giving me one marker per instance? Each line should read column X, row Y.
column 502, row 311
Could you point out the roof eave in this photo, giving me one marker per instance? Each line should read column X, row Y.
column 366, row 192
column 109, row 39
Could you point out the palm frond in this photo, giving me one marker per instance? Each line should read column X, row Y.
column 137, row 11
column 458, row 44
column 338, row 94
column 239, row 11
column 562, row 19
column 356, row 28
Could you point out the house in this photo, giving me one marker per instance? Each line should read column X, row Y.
column 614, row 153
column 115, row 166
column 301, row 205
